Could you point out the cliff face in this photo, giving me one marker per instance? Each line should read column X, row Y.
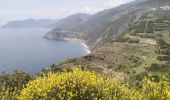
column 60, row 35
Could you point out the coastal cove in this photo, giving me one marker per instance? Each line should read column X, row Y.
column 74, row 40
column 25, row 49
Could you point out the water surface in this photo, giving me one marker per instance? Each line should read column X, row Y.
column 27, row 50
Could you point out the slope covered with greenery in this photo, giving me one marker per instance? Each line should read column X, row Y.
column 141, row 48
column 104, row 25
column 133, row 66
column 85, row 85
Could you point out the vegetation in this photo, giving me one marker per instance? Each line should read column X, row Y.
column 133, row 66
column 11, row 84
column 86, row 85
column 141, row 50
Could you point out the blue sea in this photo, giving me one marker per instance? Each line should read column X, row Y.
column 25, row 49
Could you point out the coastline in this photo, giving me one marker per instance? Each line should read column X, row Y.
column 75, row 40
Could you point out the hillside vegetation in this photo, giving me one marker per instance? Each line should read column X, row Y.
column 101, row 27
column 135, row 65
column 143, row 47
column 85, row 85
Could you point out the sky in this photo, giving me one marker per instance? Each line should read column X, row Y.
column 53, row 9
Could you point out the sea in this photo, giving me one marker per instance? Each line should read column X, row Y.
column 25, row 49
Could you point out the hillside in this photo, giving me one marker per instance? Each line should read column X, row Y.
column 134, row 64
column 107, row 24
column 82, row 85
column 141, row 48
column 44, row 23
column 70, row 22
column 65, row 28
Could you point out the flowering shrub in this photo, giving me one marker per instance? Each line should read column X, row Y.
column 155, row 91
column 12, row 83
column 85, row 85
column 6, row 94
column 76, row 85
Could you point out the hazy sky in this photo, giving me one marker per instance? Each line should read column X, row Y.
column 39, row 9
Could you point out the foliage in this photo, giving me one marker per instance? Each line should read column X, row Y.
column 85, row 85
column 76, row 85
column 11, row 84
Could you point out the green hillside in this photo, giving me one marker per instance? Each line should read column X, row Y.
column 133, row 65
column 104, row 25
column 141, row 48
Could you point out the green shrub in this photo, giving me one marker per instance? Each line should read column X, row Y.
column 85, row 85
column 161, row 68
column 11, row 84
column 163, row 58
column 133, row 40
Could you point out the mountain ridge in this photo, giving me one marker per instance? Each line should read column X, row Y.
column 108, row 24
column 71, row 21
column 44, row 23
column 99, row 28
column 143, row 47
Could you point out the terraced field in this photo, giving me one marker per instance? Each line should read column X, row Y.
column 144, row 47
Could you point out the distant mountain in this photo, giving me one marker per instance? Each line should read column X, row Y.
column 67, row 27
column 107, row 24
column 71, row 22
column 29, row 23
column 103, row 25
column 142, row 48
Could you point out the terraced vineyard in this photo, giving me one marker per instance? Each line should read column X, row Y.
column 142, row 48
column 153, row 30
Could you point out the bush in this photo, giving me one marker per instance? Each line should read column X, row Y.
column 85, row 85
column 11, row 84
column 123, row 39
column 133, row 40
column 161, row 42
column 152, row 90
column 76, row 85
column 161, row 68
column 163, row 58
